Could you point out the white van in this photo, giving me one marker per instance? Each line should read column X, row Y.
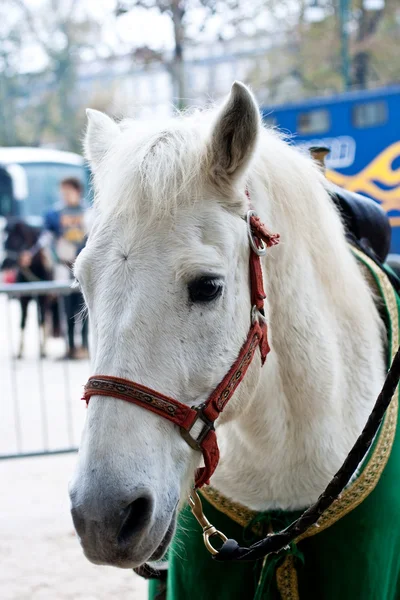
column 30, row 181
column 36, row 174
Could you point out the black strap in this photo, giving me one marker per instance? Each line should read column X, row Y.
column 364, row 218
column 147, row 571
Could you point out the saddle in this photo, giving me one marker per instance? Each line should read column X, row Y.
column 365, row 221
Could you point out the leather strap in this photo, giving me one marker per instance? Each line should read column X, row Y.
column 182, row 415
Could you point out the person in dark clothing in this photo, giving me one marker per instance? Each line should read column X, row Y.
column 68, row 228
column 74, row 305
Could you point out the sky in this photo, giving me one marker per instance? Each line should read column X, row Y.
column 139, row 27
column 146, row 27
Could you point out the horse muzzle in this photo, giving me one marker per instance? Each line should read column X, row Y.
column 124, row 534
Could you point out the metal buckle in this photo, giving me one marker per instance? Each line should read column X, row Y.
column 208, row 529
column 259, row 250
column 256, row 314
column 195, row 443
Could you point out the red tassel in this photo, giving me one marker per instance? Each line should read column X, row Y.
column 264, row 345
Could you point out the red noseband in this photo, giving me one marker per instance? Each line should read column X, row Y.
column 180, row 414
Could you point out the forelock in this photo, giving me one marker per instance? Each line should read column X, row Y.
column 151, row 170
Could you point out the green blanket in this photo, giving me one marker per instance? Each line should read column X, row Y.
column 353, row 555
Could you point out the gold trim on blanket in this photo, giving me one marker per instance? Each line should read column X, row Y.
column 286, row 579
column 363, row 485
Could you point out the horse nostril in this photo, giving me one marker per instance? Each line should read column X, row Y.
column 138, row 516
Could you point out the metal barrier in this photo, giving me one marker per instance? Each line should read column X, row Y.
column 39, row 395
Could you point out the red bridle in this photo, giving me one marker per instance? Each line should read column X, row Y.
column 180, row 414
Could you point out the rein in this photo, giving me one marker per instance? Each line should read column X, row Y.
column 206, row 441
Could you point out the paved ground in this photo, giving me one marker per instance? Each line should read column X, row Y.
column 39, row 400
column 40, row 557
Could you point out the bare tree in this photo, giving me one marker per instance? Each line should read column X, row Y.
column 61, row 32
column 301, row 57
column 235, row 13
column 367, row 26
column 176, row 9
column 309, row 50
column 10, row 85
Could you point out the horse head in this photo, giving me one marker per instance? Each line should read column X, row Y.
column 165, row 278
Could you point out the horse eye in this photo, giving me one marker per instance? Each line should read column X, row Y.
column 205, row 289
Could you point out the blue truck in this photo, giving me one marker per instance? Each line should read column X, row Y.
column 362, row 131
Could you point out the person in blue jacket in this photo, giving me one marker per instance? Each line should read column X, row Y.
column 67, row 226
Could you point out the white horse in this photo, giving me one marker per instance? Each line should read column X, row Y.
column 166, row 281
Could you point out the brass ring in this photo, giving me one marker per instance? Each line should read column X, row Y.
column 259, row 250
column 206, row 537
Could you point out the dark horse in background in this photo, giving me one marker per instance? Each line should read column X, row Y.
column 26, row 256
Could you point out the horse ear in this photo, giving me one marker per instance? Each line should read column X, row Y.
column 234, row 135
column 100, row 132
